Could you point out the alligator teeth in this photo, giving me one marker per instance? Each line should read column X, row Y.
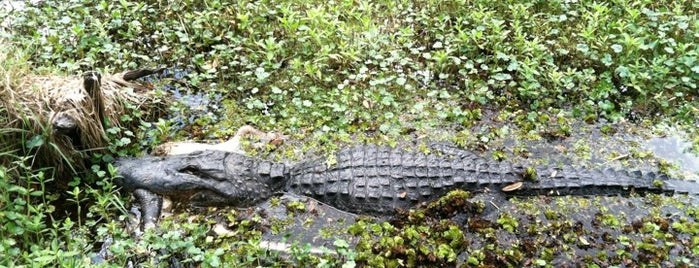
column 512, row 187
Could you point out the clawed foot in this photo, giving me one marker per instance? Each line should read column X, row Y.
column 147, row 217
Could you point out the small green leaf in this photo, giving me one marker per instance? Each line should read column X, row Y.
column 617, row 48
column 35, row 141
column 607, row 60
column 623, row 71
column 502, row 77
column 349, row 264
column 384, row 128
column 695, row 69
column 341, row 243
column 513, row 66
column 400, row 81
column 125, row 141
column 583, row 48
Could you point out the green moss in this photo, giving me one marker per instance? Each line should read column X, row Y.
column 551, row 215
column 609, row 220
column 582, row 149
column 658, row 183
column 530, row 174
column 508, row 222
column 499, row 155
column 296, row 206
column 666, row 167
column 274, row 201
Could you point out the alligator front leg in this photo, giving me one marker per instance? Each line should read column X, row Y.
column 150, row 207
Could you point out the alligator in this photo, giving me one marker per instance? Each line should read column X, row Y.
column 368, row 179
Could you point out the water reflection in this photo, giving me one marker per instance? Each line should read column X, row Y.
column 674, row 150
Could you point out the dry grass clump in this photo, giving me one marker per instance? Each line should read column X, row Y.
column 30, row 105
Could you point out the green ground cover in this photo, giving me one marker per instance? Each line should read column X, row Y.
column 339, row 72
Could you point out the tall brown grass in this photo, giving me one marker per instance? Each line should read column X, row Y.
column 30, row 102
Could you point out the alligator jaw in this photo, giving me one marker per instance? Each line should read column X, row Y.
column 207, row 178
column 173, row 176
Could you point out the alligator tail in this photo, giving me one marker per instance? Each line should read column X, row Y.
column 568, row 180
column 579, row 181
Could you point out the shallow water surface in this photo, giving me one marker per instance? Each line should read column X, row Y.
column 675, row 150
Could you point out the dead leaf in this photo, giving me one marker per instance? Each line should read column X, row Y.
column 512, row 187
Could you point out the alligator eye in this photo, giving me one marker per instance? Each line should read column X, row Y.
column 190, row 169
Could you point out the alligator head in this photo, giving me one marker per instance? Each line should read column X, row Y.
column 205, row 178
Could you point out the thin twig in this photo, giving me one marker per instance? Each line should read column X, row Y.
column 615, row 159
column 496, row 206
